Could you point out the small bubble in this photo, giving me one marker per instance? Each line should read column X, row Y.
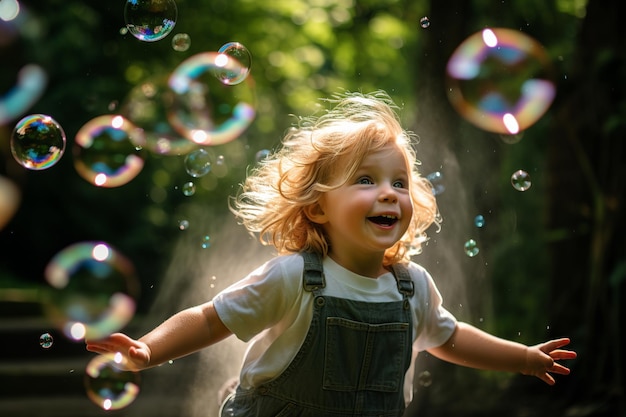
column 479, row 220
column 425, row 22
column 231, row 75
column 181, row 42
column 189, row 189
column 521, row 180
column 435, row 179
column 425, row 379
column 46, row 340
column 206, row 242
column 471, row 248
column 262, row 154
column 220, row 160
column 183, row 224
column 198, row 163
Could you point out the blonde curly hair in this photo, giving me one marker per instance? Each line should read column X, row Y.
column 272, row 199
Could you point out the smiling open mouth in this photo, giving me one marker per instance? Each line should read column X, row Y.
column 383, row 220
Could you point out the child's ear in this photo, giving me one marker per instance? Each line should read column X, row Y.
column 315, row 213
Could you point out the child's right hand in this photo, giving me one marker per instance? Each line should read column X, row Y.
column 136, row 354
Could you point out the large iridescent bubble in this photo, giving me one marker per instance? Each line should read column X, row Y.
column 150, row 20
column 108, row 151
column 37, row 142
column 204, row 109
column 108, row 384
column 500, row 80
column 146, row 106
column 93, row 290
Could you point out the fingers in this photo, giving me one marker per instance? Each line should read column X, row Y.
column 554, row 344
column 547, row 378
column 560, row 369
column 562, row 354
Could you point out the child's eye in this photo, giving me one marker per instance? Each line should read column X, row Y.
column 399, row 184
column 364, row 180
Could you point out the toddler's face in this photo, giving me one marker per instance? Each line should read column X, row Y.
column 372, row 210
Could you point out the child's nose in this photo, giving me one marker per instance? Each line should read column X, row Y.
column 388, row 194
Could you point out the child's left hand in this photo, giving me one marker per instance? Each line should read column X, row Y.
column 541, row 360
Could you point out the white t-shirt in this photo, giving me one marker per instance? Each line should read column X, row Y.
column 271, row 309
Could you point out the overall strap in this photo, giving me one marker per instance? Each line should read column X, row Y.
column 403, row 279
column 313, row 272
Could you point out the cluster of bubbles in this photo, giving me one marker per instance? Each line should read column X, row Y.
column 471, row 246
column 501, row 81
column 92, row 293
column 498, row 79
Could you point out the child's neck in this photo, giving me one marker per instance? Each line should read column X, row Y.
column 365, row 265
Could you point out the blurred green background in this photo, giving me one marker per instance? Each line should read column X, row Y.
column 552, row 260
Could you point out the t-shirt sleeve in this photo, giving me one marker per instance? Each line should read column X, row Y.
column 262, row 298
column 435, row 324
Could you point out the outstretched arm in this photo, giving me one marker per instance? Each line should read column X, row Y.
column 472, row 347
column 185, row 332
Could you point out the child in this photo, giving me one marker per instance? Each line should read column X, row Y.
column 336, row 321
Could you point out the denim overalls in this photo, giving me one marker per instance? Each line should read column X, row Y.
column 352, row 362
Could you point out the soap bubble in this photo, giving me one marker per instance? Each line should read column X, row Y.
column 425, row 22
column 206, row 242
column 31, row 83
column 146, row 107
column 262, row 154
column 150, row 20
column 234, row 74
column 198, row 163
column 189, row 189
column 183, row 224
column 520, row 180
column 37, row 142
column 435, row 179
column 108, row 384
column 46, row 340
column 93, row 290
column 471, row 248
column 108, row 151
column 204, row 110
column 9, row 10
column 181, row 42
column 500, row 80
column 479, row 220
